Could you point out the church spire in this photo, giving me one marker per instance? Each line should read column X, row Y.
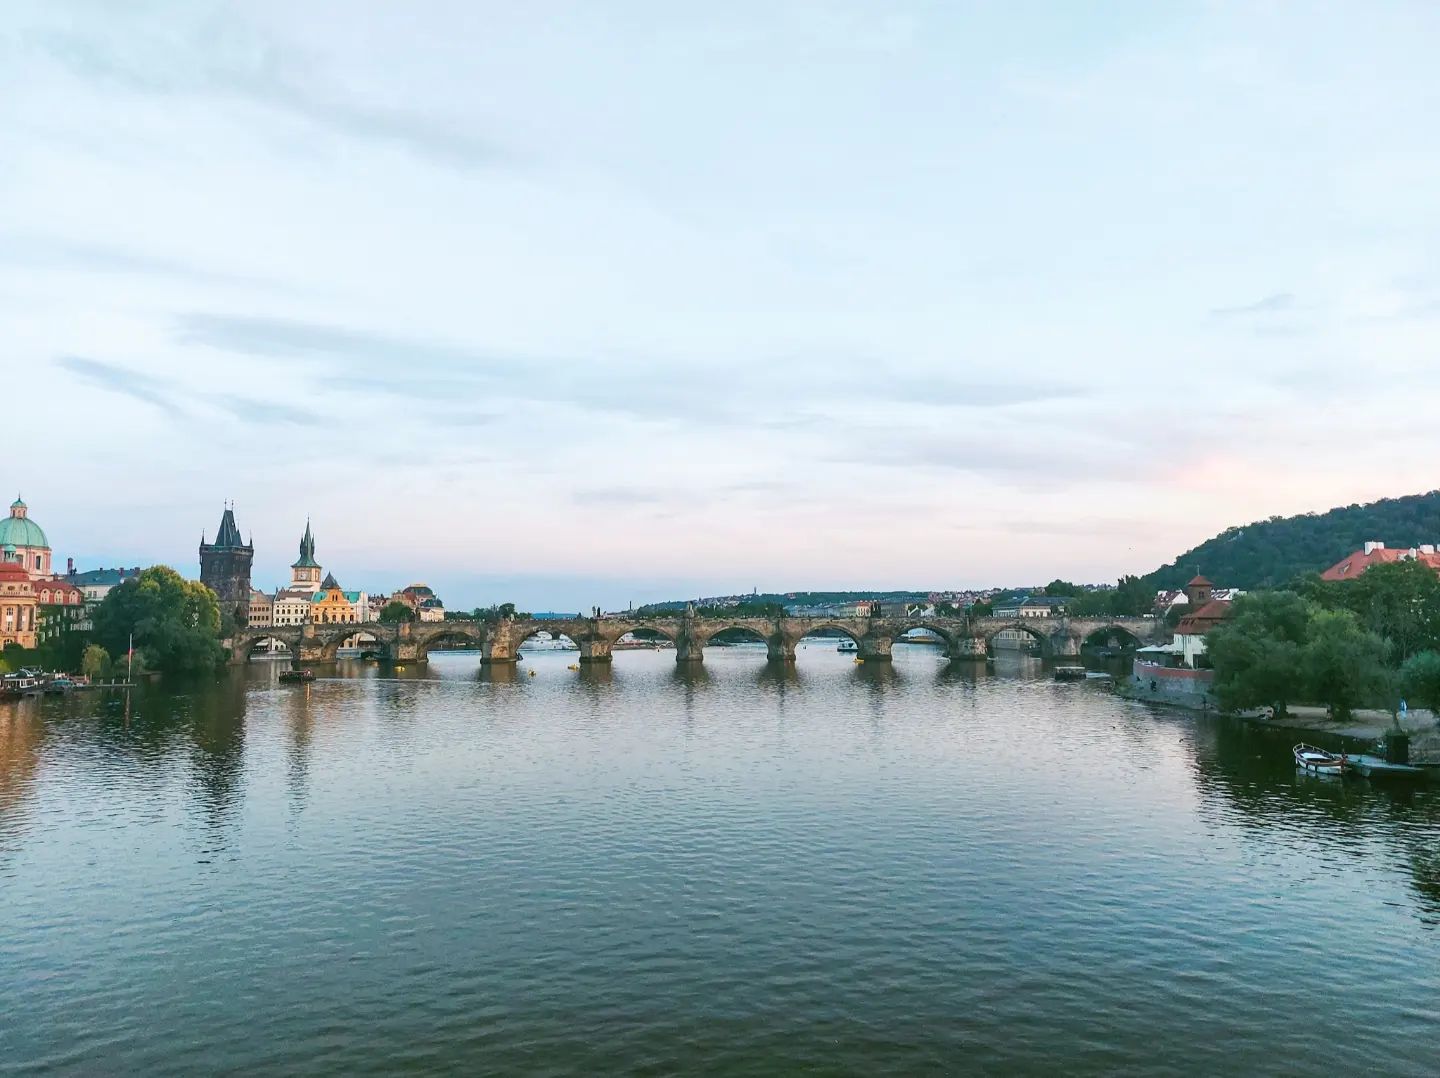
column 307, row 550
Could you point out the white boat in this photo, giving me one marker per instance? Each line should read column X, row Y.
column 1319, row 762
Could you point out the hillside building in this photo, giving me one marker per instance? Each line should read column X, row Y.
column 1377, row 553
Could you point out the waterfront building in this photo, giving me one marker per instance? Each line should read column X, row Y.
column 95, row 584
column 225, row 567
column 18, row 606
column 332, row 605
column 23, row 542
column 261, row 610
column 1205, row 612
column 1029, row 606
column 61, row 610
column 291, row 606
column 1377, row 553
column 423, row 600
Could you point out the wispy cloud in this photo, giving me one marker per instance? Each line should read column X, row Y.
column 223, row 56
column 254, row 411
column 1271, row 304
column 122, row 380
column 58, row 253
column 751, row 393
column 176, row 401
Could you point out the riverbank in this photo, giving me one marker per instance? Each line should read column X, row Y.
column 1363, row 724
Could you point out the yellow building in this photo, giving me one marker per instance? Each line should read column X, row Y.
column 332, row 605
column 18, row 606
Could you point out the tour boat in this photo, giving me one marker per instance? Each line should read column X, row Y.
column 848, row 645
column 297, row 675
column 1320, row 762
column 15, row 686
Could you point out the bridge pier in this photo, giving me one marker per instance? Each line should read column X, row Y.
column 967, row 649
column 689, row 649
column 1064, row 647
column 876, row 648
column 407, row 651
column 497, row 653
column 780, row 649
column 596, row 650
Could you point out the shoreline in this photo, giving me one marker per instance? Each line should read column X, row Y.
column 1364, row 724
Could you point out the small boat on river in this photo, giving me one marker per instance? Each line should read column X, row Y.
column 1319, row 762
column 297, row 675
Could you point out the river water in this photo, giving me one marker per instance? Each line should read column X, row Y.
column 840, row 869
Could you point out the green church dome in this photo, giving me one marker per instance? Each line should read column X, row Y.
column 19, row 530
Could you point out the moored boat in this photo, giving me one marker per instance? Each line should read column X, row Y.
column 14, row 688
column 297, row 675
column 1320, row 762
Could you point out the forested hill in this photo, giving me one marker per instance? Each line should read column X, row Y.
column 1274, row 551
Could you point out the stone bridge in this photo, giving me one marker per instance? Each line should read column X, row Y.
column 499, row 642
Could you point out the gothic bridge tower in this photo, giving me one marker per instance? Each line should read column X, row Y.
column 225, row 568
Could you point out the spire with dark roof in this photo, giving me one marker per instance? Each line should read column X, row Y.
column 229, row 533
column 307, row 550
column 329, row 582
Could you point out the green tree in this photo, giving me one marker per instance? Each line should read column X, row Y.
column 1256, row 652
column 396, row 612
column 1092, row 604
column 1420, row 680
column 95, row 663
column 1342, row 662
column 1062, row 588
column 1399, row 600
column 980, row 609
column 1132, row 597
column 176, row 621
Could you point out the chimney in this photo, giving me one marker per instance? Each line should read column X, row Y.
column 1373, row 546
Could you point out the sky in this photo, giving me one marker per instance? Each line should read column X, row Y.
column 572, row 304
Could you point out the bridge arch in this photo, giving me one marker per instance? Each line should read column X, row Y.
column 737, row 632
column 947, row 635
column 440, row 632
column 1102, row 634
column 831, row 626
column 527, row 633
column 244, row 646
column 333, row 642
column 613, row 634
column 1018, row 625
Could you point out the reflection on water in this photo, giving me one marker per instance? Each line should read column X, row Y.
column 727, row 868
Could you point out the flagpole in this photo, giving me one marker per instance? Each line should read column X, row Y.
column 130, row 659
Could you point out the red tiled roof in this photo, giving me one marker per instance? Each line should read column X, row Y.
column 1199, row 622
column 1199, row 581
column 1354, row 564
column 61, row 593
